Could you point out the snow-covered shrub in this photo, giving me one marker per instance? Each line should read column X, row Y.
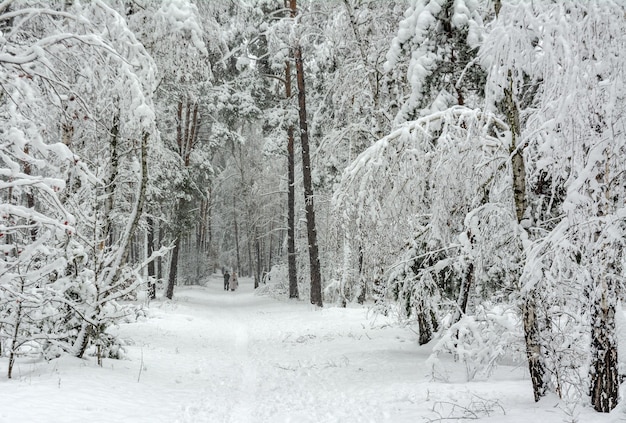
column 333, row 291
column 275, row 282
column 35, row 227
column 480, row 341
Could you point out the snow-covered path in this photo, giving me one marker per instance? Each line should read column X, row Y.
column 215, row 356
column 245, row 358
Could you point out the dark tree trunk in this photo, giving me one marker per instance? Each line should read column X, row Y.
column 291, row 199
column 159, row 261
column 314, row 262
column 173, row 270
column 151, row 264
column 236, row 229
column 362, row 282
column 209, row 231
column 257, row 276
column 427, row 323
column 250, row 271
column 111, row 184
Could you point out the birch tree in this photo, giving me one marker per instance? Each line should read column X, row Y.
column 569, row 142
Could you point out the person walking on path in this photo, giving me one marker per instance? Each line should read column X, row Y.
column 226, row 280
column 234, row 283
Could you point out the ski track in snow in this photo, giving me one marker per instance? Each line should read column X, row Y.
column 234, row 357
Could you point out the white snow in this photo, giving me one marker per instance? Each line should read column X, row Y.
column 215, row 356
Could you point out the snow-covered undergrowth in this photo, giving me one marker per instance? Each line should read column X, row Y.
column 215, row 356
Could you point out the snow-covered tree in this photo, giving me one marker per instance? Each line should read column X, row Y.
column 173, row 34
column 400, row 197
column 85, row 78
column 441, row 37
column 522, row 202
column 34, row 225
column 571, row 139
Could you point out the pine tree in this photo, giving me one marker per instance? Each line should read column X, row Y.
column 314, row 261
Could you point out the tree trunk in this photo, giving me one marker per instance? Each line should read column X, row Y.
column 110, row 188
column 159, row 261
column 466, row 285
column 186, row 138
column 604, row 366
column 534, row 354
column 291, row 200
column 82, row 341
column 151, row 264
column 173, row 270
column 427, row 323
column 138, row 207
column 250, row 259
column 316, row 277
column 236, row 229
column 362, row 280
column 199, row 251
column 30, row 197
column 604, row 362
column 209, row 231
column 257, row 276
column 16, row 333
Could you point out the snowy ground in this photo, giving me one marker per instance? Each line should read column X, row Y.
column 215, row 356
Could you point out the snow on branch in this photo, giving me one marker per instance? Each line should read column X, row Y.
column 389, row 181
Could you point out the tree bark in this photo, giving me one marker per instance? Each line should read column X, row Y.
column 427, row 323
column 236, row 229
column 159, row 261
column 257, row 275
column 16, row 332
column 291, row 199
column 316, row 277
column 604, row 360
column 466, row 285
column 109, row 189
column 604, row 366
column 362, row 280
column 173, row 270
column 534, row 354
column 30, row 197
column 151, row 264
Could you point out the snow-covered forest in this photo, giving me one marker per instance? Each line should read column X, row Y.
column 447, row 172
